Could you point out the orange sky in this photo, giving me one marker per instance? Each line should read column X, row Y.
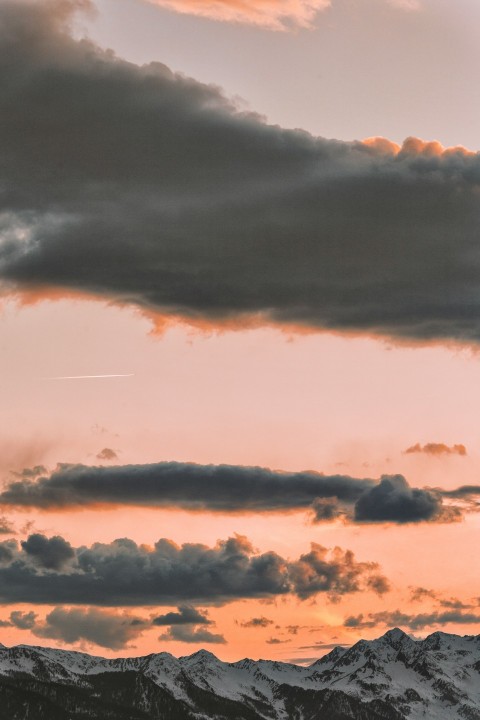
column 320, row 402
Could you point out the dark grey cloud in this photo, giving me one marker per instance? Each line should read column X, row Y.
column 276, row 641
column 50, row 553
column 230, row 488
column 142, row 186
column 107, row 629
column 20, row 620
column 186, row 615
column 395, row 501
column 123, row 573
column 186, row 634
column 23, row 620
column 437, row 449
column 224, row 488
column 419, row 621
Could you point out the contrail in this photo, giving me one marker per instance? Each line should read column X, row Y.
column 88, row 377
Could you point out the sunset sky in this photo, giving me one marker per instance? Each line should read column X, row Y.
column 239, row 323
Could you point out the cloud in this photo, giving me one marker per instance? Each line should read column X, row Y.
column 455, row 604
column 276, row 641
column 464, row 492
column 186, row 615
column 107, row 454
column 123, row 573
column 50, row 553
column 413, row 622
column 191, row 635
column 231, row 488
column 437, row 449
column 327, row 509
column 222, row 488
column 418, row 594
column 6, row 528
column 107, row 629
column 292, row 629
column 256, row 622
column 189, row 208
column 23, row 620
column 395, row 501
column 272, row 14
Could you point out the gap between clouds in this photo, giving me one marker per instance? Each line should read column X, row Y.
column 141, row 186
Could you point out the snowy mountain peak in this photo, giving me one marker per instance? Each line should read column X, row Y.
column 392, row 678
column 200, row 656
column 395, row 635
column 399, row 640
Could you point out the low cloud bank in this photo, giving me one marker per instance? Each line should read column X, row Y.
column 123, row 573
column 233, row 489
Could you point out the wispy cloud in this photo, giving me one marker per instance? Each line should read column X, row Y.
column 412, row 621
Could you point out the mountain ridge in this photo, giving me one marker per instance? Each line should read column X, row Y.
column 392, row 677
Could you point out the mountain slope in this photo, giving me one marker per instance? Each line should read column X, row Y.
column 390, row 678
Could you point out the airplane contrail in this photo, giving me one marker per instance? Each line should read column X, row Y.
column 89, row 377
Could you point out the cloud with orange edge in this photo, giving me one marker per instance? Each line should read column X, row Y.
column 213, row 216
column 271, row 14
column 437, row 449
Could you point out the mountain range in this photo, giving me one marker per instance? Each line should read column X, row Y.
column 391, row 678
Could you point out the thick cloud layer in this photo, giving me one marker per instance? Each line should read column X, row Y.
column 229, row 488
column 226, row 488
column 142, row 186
column 123, row 573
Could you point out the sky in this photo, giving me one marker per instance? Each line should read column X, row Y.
column 239, row 324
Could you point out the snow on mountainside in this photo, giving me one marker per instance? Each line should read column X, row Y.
column 391, row 678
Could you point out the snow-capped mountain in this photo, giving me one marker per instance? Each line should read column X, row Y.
column 390, row 678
